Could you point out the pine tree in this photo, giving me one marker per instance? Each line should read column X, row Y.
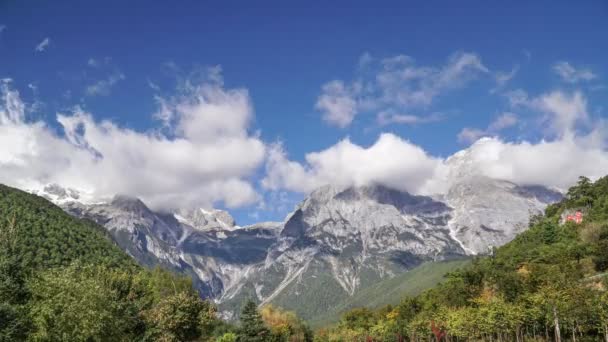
column 13, row 293
column 252, row 327
column 582, row 193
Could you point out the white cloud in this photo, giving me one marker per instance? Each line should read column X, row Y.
column 570, row 74
column 517, row 97
column 208, row 157
column 555, row 161
column 563, row 111
column 395, row 84
column 43, row 45
column 503, row 121
column 387, row 118
column 503, row 78
column 98, row 62
column 2, row 28
column 470, row 135
column 103, row 87
column 390, row 161
column 338, row 103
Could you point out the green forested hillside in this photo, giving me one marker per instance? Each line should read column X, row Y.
column 63, row 279
column 45, row 236
column 547, row 284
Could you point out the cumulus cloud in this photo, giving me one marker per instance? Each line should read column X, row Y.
column 555, row 161
column 338, row 103
column 43, row 45
column 562, row 111
column 207, row 157
column 390, row 161
column 503, row 121
column 570, row 74
column 104, row 87
column 395, row 84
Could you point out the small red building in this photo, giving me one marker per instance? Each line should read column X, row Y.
column 576, row 218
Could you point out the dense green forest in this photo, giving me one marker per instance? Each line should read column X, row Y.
column 549, row 284
column 64, row 279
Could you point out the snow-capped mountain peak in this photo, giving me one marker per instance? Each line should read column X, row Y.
column 59, row 194
column 345, row 237
column 205, row 219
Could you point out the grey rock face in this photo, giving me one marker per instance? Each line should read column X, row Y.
column 343, row 239
column 149, row 237
column 489, row 213
column 203, row 219
column 367, row 233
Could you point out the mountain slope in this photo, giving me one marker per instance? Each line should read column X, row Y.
column 337, row 242
column 210, row 249
column 550, row 281
column 388, row 291
column 489, row 213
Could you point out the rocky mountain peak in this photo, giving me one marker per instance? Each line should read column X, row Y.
column 323, row 194
column 372, row 219
column 58, row 194
column 129, row 204
column 403, row 201
column 489, row 212
column 205, row 219
column 360, row 205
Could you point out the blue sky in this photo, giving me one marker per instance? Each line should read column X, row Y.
column 115, row 61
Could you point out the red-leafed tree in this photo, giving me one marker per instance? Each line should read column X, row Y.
column 437, row 331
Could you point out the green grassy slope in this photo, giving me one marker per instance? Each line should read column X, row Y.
column 318, row 294
column 390, row 291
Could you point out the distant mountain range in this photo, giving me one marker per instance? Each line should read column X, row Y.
column 337, row 243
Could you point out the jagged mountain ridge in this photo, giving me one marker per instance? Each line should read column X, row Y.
column 489, row 213
column 336, row 242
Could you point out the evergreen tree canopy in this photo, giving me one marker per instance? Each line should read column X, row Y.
column 252, row 328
